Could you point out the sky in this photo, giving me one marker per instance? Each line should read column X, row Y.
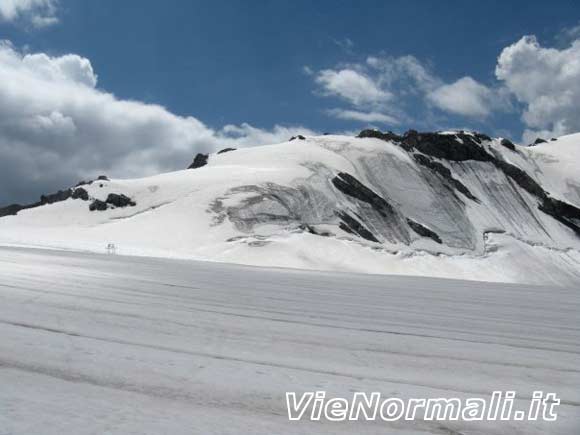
column 137, row 87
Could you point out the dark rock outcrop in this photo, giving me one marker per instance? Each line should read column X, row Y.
column 461, row 147
column 388, row 136
column 97, row 204
column 508, row 144
column 103, row 178
column 481, row 137
column 300, row 137
column 349, row 185
column 454, row 147
column 61, row 195
column 80, row 193
column 521, row 178
column 424, row 231
column 119, row 200
column 116, row 200
column 12, row 209
column 444, row 172
column 563, row 212
column 199, row 161
column 226, row 150
column 352, row 226
column 539, row 140
column 457, row 147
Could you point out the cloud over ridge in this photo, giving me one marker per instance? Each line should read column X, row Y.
column 57, row 127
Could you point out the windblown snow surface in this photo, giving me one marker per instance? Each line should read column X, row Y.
column 452, row 204
column 105, row 344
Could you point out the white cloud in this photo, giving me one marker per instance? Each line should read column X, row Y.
column 465, row 97
column 368, row 117
column 353, row 86
column 381, row 89
column 67, row 68
column 405, row 72
column 245, row 135
column 39, row 13
column 547, row 82
column 56, row 127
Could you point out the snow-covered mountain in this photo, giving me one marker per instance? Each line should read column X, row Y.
column 448, row 204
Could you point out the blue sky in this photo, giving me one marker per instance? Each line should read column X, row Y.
column 312, row 65
column 242, row 61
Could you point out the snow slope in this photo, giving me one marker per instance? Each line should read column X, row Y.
column 454, row 204
column 95, row 344
column 558, row 166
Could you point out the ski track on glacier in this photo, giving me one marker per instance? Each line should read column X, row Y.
column 97, row 344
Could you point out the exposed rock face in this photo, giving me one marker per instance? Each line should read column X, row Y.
column 539, row 141
column 103, row 178
column 11, row 209
column 423, row 231
column 349, row 185
column 444, row 172
column 300, row 137
column 379, row 213
column 388, row 136
column 226, row 150
column 464, row 147
column 199, row 161
column 457, row 147
column 508, row 144
column 447, row 146
column 115, row 200
column 563, row 212
column 119, row 200
column 80, row 193
column 61, row 195
column 400, row 202
column 351, row 225
column 97, row 204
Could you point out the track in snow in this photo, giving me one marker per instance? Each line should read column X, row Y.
column 96, row 344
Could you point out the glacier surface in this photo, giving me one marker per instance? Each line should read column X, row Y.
column 109, row 344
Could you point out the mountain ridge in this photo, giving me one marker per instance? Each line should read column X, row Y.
column 458, row 195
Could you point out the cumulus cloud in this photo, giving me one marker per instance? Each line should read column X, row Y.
column 465, row 97
column 406, row 74
column 39, row 13
column 547, row 82
column 381, row 89
column 368, row 117
column 57, row 127
column 353, row 86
